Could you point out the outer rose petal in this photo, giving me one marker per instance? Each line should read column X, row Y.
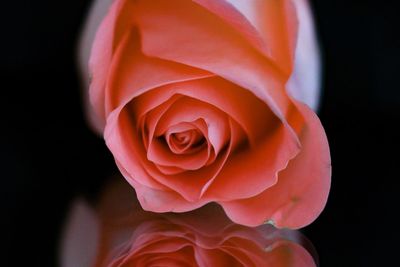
column 108, row 34
column 159, row 200
column 248, row 173
column 162, row 200
column 256, row 20
column 133, row 73
column 305, row 82
column 163, row 26
column 302, row 189
column 271, row 22
column 98, row 11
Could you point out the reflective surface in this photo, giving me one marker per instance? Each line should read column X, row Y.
column 117, row 232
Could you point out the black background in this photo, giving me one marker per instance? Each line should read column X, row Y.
column 48, row 155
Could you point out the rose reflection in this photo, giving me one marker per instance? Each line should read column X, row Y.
column 128, row 236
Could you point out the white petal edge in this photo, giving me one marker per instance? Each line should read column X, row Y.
column 95, row 15
column 305, row 81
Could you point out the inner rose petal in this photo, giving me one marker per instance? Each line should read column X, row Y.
column 238, row 103
column 187, row 109
column 201, row 127
column 202, row 116
column 179, row 192
column 193, row 175
column 160, row 153
column 147, row 123
column 157, row 150
column 264, row 130
column 189, row 184
column 184, row 138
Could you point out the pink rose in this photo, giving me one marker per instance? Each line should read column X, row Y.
column 126, row 236
column 201, row 101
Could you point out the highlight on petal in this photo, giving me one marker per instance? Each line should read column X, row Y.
column 301, row 191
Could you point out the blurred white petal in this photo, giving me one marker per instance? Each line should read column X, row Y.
column 95, row 15
column 80, row 236
column 305, row 82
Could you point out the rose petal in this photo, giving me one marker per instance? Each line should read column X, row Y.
column 108, row 34
column 250, row 171
column 130, row 156
column 162, row 26
column 160, row 154
column 122, row 139
column 190, row 184
column 190, row 110
column 210, row 155
column 162, row 200
column 148, row 122
column 184, row 138
column 240, row 104
column 270, row 25
column 133, row 74
column 302, row 189
column 305, row 81
column 236, row 140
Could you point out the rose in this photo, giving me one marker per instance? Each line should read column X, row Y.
column 196, row 103
column 191, row 97
column 120, row 234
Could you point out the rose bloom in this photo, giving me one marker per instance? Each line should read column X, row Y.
column 204, row 101
column 125, row 236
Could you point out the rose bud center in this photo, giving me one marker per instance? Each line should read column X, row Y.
column 185, row 142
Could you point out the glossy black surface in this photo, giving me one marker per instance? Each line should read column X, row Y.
column 117, row 230
column 48, row 155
